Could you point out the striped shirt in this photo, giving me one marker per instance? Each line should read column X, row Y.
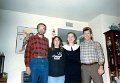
column 91, row 52
column 36, row 46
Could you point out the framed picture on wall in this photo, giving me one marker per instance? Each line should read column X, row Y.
column 23, row 34
column 63, row 34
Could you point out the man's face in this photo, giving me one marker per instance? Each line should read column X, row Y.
column 41, row 29
column 87, row 35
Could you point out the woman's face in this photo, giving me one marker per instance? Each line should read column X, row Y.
column 56, row 42
column 71, row 38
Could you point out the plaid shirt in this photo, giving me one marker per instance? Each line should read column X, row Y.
column 91, row 52
column 36, row 46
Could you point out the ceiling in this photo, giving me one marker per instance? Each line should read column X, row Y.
column 80, row 10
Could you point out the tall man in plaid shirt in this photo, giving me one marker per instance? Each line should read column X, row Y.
column 92, row 58
column 36, row 56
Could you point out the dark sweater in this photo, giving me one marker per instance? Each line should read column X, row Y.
column 56, row 59
column 73, row 66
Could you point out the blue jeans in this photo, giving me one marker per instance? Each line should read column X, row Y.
column 39, row 70
column 59, row 79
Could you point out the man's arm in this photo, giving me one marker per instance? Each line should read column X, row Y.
column 100, row 58
column 27, row 56
column 100, row 54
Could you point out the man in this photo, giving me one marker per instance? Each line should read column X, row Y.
column 36, row 56
column 92, row 58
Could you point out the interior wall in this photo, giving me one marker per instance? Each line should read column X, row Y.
column 9, row 20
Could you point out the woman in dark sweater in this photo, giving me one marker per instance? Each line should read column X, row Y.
column 56, row 58
column 72, row 53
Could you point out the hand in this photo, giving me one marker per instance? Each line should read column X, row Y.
column 28, row 71
column 100, row 70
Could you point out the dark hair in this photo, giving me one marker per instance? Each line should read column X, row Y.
column 41, row 24
column 61, row 44
column 88, row 29
column 75, row 42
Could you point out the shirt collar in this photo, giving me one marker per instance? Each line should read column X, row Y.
column 89, row 41
column 38, row 36
column 74, row 47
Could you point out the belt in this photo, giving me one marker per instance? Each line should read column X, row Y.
column 41, row 57
column 90, row 63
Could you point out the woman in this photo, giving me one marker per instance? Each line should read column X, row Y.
column 72, row 53
column 56, row 58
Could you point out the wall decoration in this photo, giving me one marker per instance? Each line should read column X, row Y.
column 63, row 34
column 115, row 27
column 23, row 34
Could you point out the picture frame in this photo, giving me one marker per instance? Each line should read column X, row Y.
column 23, row 34
column 63, row 34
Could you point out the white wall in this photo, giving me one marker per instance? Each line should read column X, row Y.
column 100, row 24
column 9, row 20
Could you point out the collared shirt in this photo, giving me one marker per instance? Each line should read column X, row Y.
column 36, row 46
column 72, row 63
column 91, row 52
